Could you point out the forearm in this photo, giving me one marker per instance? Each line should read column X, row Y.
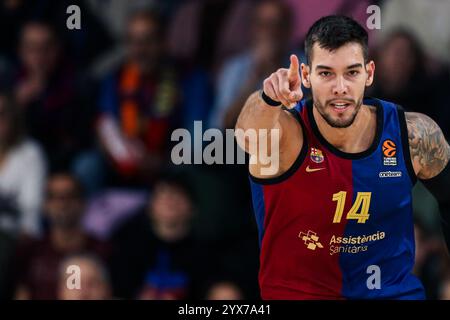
column 282, row 87
column 256, row 114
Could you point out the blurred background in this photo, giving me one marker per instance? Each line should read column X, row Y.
column 86, row 118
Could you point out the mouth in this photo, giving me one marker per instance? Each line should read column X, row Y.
column 340, row 106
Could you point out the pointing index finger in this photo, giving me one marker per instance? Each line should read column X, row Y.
column 293, row 68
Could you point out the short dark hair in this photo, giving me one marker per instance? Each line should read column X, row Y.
column 178, row 180
column 51, row 28
column 151, row 15
column 332, row 32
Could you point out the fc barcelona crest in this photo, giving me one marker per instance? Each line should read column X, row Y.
column 316, row 155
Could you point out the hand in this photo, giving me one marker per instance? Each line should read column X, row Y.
column 284, row 85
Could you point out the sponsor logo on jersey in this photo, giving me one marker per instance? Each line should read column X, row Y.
column 342, row 244
column 390, row 174
column 354, row 244
column 389, row 153
column 310, row 239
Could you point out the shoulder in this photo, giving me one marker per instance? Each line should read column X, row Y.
column 430, row 151
column 29, row 150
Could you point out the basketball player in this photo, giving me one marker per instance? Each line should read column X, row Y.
column 335, row 221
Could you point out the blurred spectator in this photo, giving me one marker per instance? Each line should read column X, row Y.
column 444, row 290
column 84, row 44
column 46, row 92
column 144, row 100
column 431, row 260
column 22, row 172
column 38, row 260
column 156, row 255
column 224, row 290
column 197, row 30
column 404, row 75
column 114, row 13
column 427, row 20
column 400, row 65
column 271, row 28
column 94, row 279
column 22, row 176
column 13, row 15
column 306, row 12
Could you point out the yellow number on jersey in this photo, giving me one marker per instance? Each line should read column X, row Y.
column 362, row 202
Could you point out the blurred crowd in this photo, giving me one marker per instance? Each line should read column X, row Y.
column 86, row 118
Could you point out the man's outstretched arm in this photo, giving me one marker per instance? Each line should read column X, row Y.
column 283, row 87
column 430, row 154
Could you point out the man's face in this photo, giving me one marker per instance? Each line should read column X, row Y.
column 337, row 80
column 143, row 43
column 396, row 61
column 170, row 205
column 269, row 25
column 39, row 50
column 64, row 205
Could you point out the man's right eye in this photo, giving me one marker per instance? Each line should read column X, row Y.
column 325, row 74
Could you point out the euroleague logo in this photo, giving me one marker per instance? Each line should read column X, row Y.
column 389, row 148
column 389, row 151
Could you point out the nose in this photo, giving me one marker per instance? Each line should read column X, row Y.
column 340, row 88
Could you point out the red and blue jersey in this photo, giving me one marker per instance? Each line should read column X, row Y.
column 339, row 225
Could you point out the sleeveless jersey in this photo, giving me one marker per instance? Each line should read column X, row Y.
column 339, row 225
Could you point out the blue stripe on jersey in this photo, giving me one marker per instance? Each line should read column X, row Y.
column 258, row 208
column 390, row 212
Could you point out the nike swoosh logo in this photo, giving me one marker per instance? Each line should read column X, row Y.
column 308, row 169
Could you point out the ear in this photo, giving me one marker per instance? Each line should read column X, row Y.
column 305, row 70
column 370, row 68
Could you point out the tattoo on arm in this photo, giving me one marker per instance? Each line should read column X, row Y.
column 428, row 147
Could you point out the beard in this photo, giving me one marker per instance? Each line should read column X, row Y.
column 337, row 122
column 65, row 220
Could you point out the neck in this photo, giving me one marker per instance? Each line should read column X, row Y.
column 171, row 232
column 67, row 239
column 353, row 139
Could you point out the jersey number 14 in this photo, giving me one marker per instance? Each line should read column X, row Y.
column 362, row 204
